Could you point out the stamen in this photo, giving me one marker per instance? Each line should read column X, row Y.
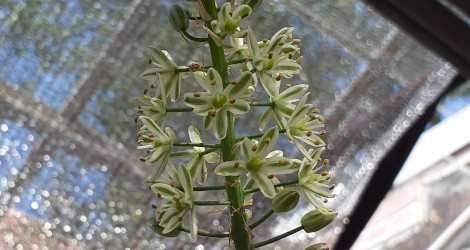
column 317, row 142
column 332, row 187
column 136, row 120
column 232, row 101
column 211, row 113
column 288, row 85
column 142, row 159
column 316, row 111
column 236, row 165
column 213, row 82
column 325, row 201
column 146, row 91
column 254, row 148
column 320, row 118
column 141, row 132
column 324, row 173
column 159, row 195
column 296, row 41
column 197, row 94
column 176, row 198
column 290, row 56
column 151, row 135
column 267, row 140
column 265, row 40
column 173, row 183
column 194, row 66
column 270, row 176
column 326, row 161
column 150, row 61
column 281, row 161
column 299, row 60
column 154, row 206
column 152, row 86
column 180, row 218
column 278, row 77
column 322, row 132
column 270, row 55
column 309, row 133
column 233, row 82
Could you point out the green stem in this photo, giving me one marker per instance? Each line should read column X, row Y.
column 212, row 203
column 281, row 236
column 208, row 151
column 258, row 135
column 237, row 61
column 208, row 188
column 179, row 110
column 262, row 219
column 189, row 144
column 285, row 183
column 233, row 187
column 262, row 104
column 197, row 39
column 207, row 234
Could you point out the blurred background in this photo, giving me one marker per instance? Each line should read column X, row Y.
column 70, row 175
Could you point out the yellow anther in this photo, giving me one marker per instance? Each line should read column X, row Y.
column 332, row 187
column 320, row 118
column 194, row 66
column 267, row 140
column 325, row 201
column 213, row 82
column 146, row 91
column 326, row 161
column 322, row 132
column 270, row 55
column 290, row 55
column 197, row 94
column 176, row 198
column 281, row 43
column 159, row 195
column 281, row 161
column 173, row 183
column 141, row 132
column 180, row 218
column 288, row 85
column 232, row 101
column 278, row 77
column 151, row 135
column 324, row 173
column 309, row 133
column 142, row 159
column 265, row 40
column 317, row 142
column 299, row 60
column 236, row 165
column 270, row 176
column 254, row 148
column 296, row 41
column 233, row 82
column 316, row 111
column 140, row 141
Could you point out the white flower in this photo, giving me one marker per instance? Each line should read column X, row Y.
column 157, row 143
column 230, row 21
column 175, row 203
column 217, row 101
column 282, row 103
column 275, row 57
column 153, row 107
column 197, row 163
column 166, row 72
column 301, row 126
column 311, row 182
column 259, row 164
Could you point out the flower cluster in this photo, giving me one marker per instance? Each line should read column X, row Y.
column 250, row 163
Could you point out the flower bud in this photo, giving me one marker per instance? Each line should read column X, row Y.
column 318, row 246
column 315, row 220
column 285, row 200
column 178, row 17
column 154, row 225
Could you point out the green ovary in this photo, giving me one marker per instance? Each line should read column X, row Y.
column 230, row 26
column 254, row 165
column 219, row 101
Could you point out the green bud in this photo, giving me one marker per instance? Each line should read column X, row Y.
column 315, row 220
column 318, row 246
column 154, row 225
column 285, row 200
column 178, row 17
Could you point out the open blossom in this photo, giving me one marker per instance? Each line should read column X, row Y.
column 230, row 20
column 217, row 100
column 275, row 57
column 302, row 127
column 283, row 103
column 157, row 143
column 315, row 184
column 153, row 107
column 259, row 163
column 197, row 163
column 176, row 204
column 166, row 72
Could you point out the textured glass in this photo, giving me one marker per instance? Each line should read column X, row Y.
column 69, row 173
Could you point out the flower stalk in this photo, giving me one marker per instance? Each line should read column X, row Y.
column 220, row 100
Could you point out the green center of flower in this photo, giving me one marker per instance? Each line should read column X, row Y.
column 254, row 165
column 178, row 206
column 157, row 143
column 303, row 128
column 230, row 26
column 269, row 65
column 219, row 101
